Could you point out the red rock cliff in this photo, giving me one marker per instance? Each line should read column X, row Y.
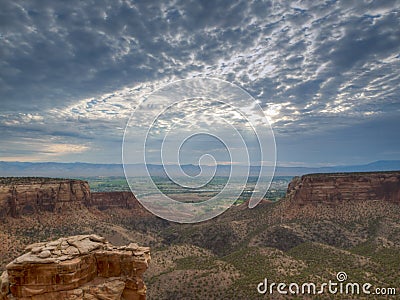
column 104, row 200
column 329, row 188
column 30, row 195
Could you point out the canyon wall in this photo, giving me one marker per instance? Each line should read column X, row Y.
column 104, row 200
column 21, row 196
column 84, row 267
column 30, row 195
column 334, row 187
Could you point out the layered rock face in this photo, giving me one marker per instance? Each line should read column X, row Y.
column 330, row 188
column 84, row 267
column 104, row 200
column 21, row 196
column 29, row 195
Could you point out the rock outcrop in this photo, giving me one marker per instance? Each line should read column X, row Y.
column 105, row 200
column 334, row 187
column 85, row 267
column 26, row 195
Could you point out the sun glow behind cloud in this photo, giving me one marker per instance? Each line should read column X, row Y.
column 40, row 150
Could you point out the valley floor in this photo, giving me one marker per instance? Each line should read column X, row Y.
column 227, row 257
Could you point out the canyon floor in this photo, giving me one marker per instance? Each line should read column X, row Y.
column 226, row 257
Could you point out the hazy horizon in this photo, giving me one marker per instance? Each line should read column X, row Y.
column 299, row 165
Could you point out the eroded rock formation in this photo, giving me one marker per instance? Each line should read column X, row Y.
column 21, row 196
column 83, row 267
column 30, row 195
column 331, row 188
column 104, row 200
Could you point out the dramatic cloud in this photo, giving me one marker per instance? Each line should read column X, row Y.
column 323, row 71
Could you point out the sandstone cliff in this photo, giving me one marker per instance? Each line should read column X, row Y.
column 104, row 200
column 83, row 267
column 331, row 188
column 31, row 195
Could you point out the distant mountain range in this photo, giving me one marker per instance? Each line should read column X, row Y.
column 69, row 170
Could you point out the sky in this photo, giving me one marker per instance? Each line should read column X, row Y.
column 325, row 73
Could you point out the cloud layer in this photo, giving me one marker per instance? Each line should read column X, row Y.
column 71, row 72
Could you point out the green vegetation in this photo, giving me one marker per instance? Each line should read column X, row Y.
column 276, row 191
column 195, row 262
column 107, row 184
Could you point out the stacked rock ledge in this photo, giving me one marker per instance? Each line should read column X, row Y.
column 83, row 267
